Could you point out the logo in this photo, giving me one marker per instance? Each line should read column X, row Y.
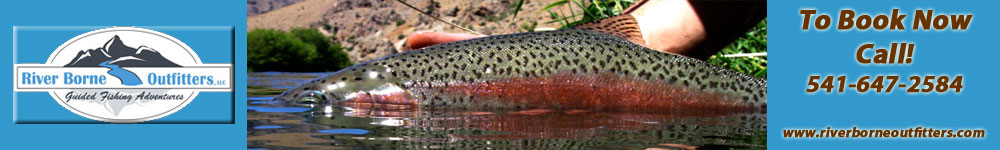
column 123, row 75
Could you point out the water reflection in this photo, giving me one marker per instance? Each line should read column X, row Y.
column 345, row 131
column 268, row 127
column 327, row 127
column 277, row 109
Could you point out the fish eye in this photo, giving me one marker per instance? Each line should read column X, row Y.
column 311, row 97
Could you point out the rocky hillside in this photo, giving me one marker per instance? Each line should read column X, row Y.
column 374, row 28
column 256, row 7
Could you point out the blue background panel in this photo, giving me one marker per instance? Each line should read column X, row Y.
column 156, row 15
column 795, row 54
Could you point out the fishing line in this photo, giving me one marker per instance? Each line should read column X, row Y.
column 438, row 19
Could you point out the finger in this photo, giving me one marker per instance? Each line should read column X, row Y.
column 422, row 39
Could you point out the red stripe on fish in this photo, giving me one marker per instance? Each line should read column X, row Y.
column 602, row 91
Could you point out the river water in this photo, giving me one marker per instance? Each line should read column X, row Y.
column 272, row 126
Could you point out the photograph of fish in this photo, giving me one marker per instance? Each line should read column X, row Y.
column 511, row 74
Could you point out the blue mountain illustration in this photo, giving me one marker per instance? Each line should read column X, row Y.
column 115, row 55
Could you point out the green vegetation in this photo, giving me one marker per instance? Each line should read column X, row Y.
column 755, row 40
column 400, row 21
column 530, row 27
column 300, row 50
column 517, row 7
column 326, row 26
column 595, row 10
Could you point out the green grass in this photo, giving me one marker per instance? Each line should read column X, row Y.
column 754, row 41
column 594, row 10
column 529, row 27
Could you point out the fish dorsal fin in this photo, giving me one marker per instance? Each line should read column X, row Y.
column 621, row 26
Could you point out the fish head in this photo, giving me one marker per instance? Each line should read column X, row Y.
column 359, row 86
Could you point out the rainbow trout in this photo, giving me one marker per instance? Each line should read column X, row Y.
column 562, row 69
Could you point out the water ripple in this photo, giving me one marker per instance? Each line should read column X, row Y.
column 277, row 109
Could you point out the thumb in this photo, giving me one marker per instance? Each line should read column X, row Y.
column 421, row 39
